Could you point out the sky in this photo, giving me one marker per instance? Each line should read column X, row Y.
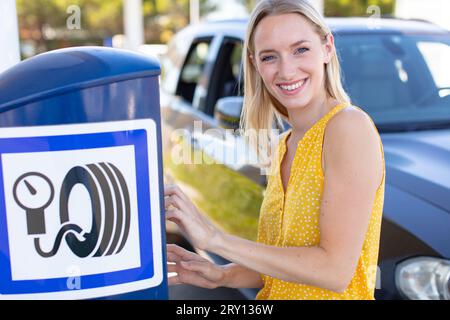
column 229, row 9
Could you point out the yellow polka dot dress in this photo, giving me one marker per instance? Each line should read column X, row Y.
column 292, row 219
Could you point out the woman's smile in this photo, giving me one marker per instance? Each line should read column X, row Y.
column 292, row 88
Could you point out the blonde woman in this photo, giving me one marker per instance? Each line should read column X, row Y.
column 319, row 226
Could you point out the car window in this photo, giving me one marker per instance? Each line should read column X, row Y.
column 235, row 60
column 437, row 57
column 398, row 79
column 193, row 69
column 172, row 61
column 226, row 77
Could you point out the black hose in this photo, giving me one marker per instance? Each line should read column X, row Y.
column 62, row 232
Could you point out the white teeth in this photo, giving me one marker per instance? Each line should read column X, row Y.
column 293, row 86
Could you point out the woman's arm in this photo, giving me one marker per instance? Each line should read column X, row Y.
column 353, row 172
column 238, row 276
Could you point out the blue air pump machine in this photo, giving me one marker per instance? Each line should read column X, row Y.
column 81, row 186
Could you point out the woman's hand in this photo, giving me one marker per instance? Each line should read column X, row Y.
column 185, row 214
column 193, row 269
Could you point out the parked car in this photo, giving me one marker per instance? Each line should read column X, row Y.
column 398, row 71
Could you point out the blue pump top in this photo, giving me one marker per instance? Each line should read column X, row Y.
column 59, row 71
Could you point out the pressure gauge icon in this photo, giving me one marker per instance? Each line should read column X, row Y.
column 34, row 192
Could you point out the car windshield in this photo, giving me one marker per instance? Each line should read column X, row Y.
column 402, row 81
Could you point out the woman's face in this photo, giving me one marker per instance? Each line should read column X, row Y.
column 290, row 57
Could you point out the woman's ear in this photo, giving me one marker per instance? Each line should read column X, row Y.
column 252, row 60
column 329, row 47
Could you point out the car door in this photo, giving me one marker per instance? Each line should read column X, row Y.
column 203, row 157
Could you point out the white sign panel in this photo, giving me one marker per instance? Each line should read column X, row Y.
column 80, row 211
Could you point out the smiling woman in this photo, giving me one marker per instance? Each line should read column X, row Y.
column 319, row 224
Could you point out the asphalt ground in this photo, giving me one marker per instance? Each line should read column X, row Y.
column 187, row 292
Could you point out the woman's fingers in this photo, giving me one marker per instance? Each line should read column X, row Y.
column 173, row 280
column 174, row 196
column 175, row 258
column 183, row 253
column 190, row 268
column 174, row 200
column 174, row 215
column 172, row 268
column 184, row 276
column 208, row 270
column 195, row 266
column 172, row 189
column 193, row 278
column 186, row 215
column 172, row 257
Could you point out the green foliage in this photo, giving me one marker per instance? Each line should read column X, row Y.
column 347, row 8
column 163, row 18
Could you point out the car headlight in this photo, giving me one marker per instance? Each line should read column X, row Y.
column 424, row 278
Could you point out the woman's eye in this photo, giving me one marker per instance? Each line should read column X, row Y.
column 267, row 58
column 301, row 50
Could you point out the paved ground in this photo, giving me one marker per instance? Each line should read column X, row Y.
column 186, row 292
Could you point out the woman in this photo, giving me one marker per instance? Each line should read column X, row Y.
column 319, row 226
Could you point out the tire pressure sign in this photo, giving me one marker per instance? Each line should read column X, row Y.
column 79, row 210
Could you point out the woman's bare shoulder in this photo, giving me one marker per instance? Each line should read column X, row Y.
column 351, row 123
column 352, row 143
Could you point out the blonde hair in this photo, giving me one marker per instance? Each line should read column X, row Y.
column 261, row 111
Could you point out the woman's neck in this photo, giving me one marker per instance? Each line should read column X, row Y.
column 302, row 119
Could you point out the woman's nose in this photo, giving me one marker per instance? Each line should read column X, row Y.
column 287, row 69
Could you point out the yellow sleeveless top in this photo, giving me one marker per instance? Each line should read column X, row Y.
column 293, row 219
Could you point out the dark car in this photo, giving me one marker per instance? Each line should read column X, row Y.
column 398, row 71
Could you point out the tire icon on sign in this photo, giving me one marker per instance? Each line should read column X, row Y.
column 109, row 201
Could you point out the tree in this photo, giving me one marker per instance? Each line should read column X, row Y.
column 163, row 18
column 44, row 22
